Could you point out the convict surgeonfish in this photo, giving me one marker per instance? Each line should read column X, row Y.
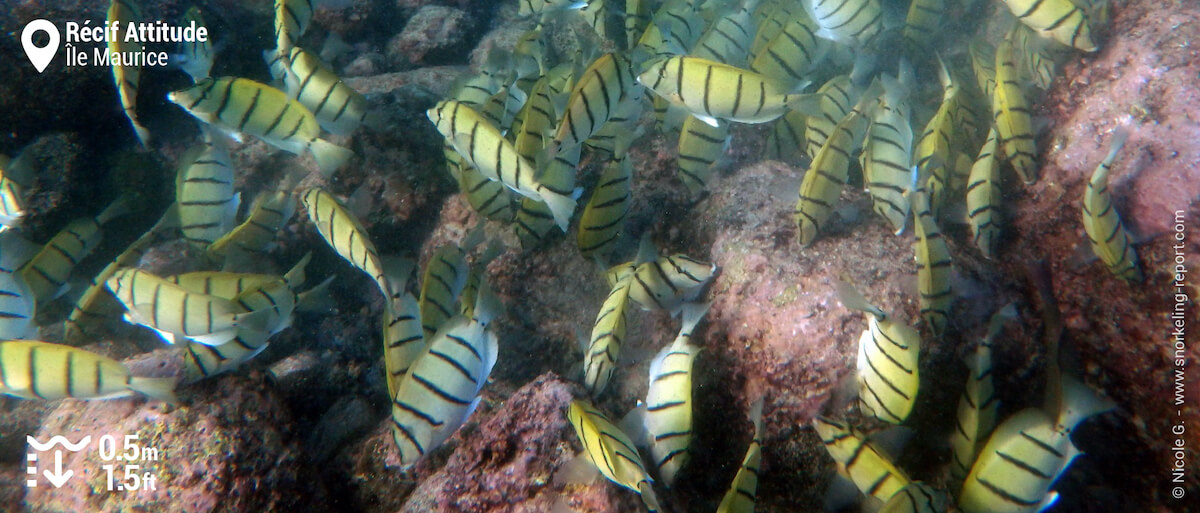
column 482, row 145
column 850, row 22
column 196, row 56
column 441, row 388
column 713, row 91
column 49, row 271
column 15, row 178
column 603, row 218
column 933, row 265
column 17, row 307
column 204, row 197
column 977, row 407
column 611, row 451
column 887, row 151
column 917, row 497
column 668, row 409
column 791, row 55
column 345, row 235
column 242, row 106
column 701, row 147
column 742, row 494
column 339, row 109
column 269, row 212
column 175, row 312
column 126, row 13
column 1010, row 111
column 933, row 154
column 728, row 38
column 1103, row 225
column 444, row 278
column 292, row 18
column 921, row 24
column 1026, row 454
column 888, row 361
column 1062, row 20
column 534, row 219
column 984, row 197
column 593, row 99
column 858, row 459
column 39, row 370
column 608, row 332
column 665, row 283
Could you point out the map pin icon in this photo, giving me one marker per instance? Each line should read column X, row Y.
column 40, row 57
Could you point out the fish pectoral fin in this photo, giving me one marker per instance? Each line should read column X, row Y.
column 708, row 120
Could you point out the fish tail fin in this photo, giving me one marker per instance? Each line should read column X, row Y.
column 853, row 299
column 295, row 276
column 316, row 299
column 487, row 303
column 117, row 208
column 562, row 207
column 329, row 156
column 143, row 134
column 692, row 313
column 1080, row 402
column 756, row 417
column 648, row 496
column 162, row 389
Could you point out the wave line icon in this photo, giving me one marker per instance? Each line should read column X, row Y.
column 58, row 440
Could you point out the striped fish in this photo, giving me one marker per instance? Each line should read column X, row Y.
column 534, row 220
column 933, row 266
column 12, row 192
column 828, row 172
column 127, row 78
column 482, row 145
column 887, row 153
column 593, row 99
column 701, row 147
column 984, row 197
column 837, row 97
column 1035, row 59
column 674, row 29
column 1059, row 19
column 769, row 18
column 48, row 272
column 403, row 337
column 983, row 63
column 17, row 307
column 665, row 283
column 623, row 126
column 786, row 140
column 202, row 361
column 441, row 388
column 917, row 497
column 743, row 491
column 710, row 90
column 611, row 451
column 596, row 13
column 268, row 214
column 488, row 197
column 608, row 332
column 173, row 311
column 790, row 56
column 292, row 18
column 850, row 22
column 541, row 112
column 541, row 7
column 30, row 369
column 857, row 458
column 668, row 413
column 728, row 39
column 197, row 56
column 475, row 276
column 345, row 235
column 1010, row 110
column 1109, row 239
column 888, row 361
column 501, row 109
column 205, row 201
column 240, row 105
column 91, row 305
column 637, row 19
column 976, row 414
column 603, row 218
column 922, row 24
column 444, row 278
column 1027, row 453
column 339, row 109
column 933, row 155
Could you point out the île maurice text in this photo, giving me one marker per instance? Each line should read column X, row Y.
column 125, row 42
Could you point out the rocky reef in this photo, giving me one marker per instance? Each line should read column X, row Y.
column 305, row 426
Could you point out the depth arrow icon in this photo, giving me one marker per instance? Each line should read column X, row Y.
column 58, row 477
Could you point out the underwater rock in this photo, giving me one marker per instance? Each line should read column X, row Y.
column 230, row 448
column 350, row 417
column 435, row 34
column 12, row 483
column 21, row 417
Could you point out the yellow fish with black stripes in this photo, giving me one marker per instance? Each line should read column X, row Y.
column 195, row 57
column 792, row 54
column 269, row 212
column 31, row 369
column 17, row 307
column 701, row 147
column 728, row 39
column 665, row 283
column 48, row 272
column 603, row 218
column 1010, row 111
column 984, row 197
column 849, row 22
column 444, row 278
column 126, row 13
column 204, row 197
column 888, row 363
column 933, row 266
column 1105, row 231
column 345, row 235
column 339, row 109
column 1027, row 453
column 441, row 388
column 976, row 414
column 888, row 151
column 858, row 459
column 713, row 91
column 1062, row 20
column 242, row 106
column 175, row 312
column 611, row 451
column 917, row 497
column 742, row 494
column 667, row 414
column 593, row 100
column 484, row 146
column 608, row 332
